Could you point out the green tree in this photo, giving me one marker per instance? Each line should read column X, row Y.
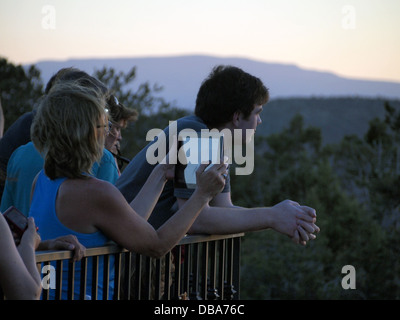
column 294, row 165
column 375, row 162
column 154, row 111
column 373, row 165
column 20, row 90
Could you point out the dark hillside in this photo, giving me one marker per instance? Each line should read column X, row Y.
column 336, row 117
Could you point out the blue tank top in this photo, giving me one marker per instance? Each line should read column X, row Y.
column 43, row 210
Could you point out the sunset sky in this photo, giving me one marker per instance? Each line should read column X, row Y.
column 352, row 38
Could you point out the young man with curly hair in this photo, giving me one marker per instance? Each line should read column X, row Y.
column 228, row 99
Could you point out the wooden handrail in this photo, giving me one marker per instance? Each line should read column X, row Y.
column 112, row 248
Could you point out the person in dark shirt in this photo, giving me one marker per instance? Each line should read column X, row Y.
column 229, row 99
column 18, row 134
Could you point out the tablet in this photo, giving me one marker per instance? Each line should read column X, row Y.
column 193, row 151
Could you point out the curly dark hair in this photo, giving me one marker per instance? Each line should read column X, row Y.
column 227, row 90
column 117, row 111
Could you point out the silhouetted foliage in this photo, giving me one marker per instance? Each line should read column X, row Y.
column 20, row 90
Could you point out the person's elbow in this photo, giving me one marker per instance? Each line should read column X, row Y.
column 155, row 248
column 37, row 292
column 158, row 252
column 34, row 291
column 31, row 292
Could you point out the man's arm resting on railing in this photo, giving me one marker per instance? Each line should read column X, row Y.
column 287, row 217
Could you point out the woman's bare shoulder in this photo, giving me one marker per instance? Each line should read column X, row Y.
column 91, row 191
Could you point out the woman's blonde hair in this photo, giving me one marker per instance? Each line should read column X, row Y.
column 64, row 129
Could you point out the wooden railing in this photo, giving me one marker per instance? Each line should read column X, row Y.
column 203, row 267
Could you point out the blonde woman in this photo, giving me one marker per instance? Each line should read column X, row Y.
column 69, row 129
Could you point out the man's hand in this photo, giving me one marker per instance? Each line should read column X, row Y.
column 69, row 242
column 296, row 221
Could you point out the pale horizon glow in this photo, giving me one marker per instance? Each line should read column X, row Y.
column 353, row 38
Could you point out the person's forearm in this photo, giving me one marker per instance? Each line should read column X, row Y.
column 229, row 220
column 178, row 225
column 27, row 253
column 147, row 198
column 44, row 245
column 286, row 217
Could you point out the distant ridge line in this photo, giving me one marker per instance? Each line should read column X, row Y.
column 181, row 75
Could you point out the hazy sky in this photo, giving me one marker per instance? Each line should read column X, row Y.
column 353, row 38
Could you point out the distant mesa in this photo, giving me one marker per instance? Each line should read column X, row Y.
column 338, row 106
column 181, row 76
